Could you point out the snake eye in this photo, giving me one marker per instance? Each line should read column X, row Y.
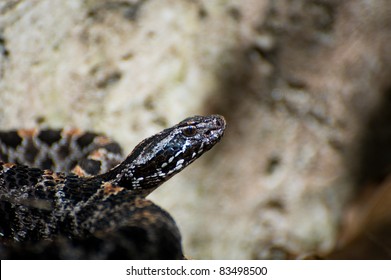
column 190, row 131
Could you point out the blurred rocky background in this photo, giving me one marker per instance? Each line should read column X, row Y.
column 305, row 86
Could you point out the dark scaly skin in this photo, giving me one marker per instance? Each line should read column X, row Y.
column 149, row 233
column 40, row 204
column 60, row 150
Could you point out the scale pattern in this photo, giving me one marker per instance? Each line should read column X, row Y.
column 98, row 210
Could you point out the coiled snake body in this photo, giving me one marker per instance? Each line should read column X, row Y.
column 92, row 212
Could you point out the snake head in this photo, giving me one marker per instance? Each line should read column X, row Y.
column 159, row 157
column 195, row 135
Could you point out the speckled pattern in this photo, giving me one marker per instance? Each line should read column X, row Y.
column 94, row 213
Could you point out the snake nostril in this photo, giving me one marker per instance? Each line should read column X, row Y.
column 219, row 122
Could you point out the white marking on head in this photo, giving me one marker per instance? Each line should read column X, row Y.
column 170, row 172
column 178, row 167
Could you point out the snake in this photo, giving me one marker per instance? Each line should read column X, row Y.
column 67, row 194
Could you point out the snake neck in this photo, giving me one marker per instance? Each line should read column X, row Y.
column 158, row 158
